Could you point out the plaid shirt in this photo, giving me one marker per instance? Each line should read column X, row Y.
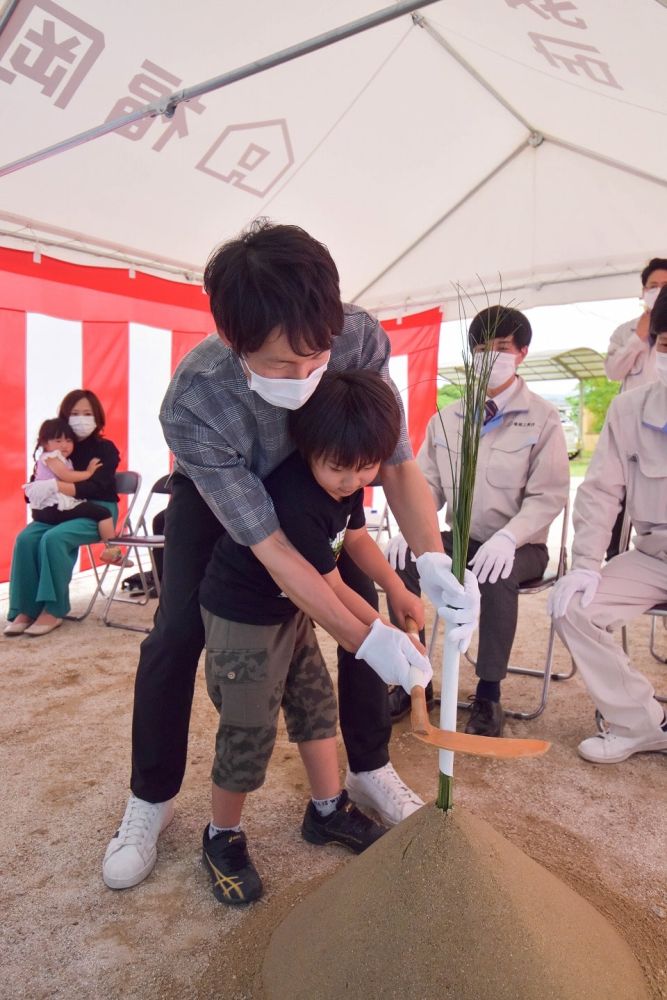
column 227, row 439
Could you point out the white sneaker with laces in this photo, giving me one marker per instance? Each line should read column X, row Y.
column 132, row 851
column 382, row 791
column 611, row 748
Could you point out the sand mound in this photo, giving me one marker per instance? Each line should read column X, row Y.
column 443, row 906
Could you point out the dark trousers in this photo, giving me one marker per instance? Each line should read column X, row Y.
column 499, row 607
column 169, row 656
column 93, row 511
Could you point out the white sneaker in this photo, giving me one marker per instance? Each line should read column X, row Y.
column 611, row 748
column 384, row 792
column 132, row 851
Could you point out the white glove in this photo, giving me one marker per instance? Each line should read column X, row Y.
column 495, row 557
column 42, row 493
column 583, row 581
column 457, row 604
column 393, row 657
column 395, row 552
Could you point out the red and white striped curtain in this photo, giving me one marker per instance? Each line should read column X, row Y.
column 64, row 326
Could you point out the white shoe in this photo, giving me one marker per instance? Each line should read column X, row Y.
column 382, row 791
column 132, row 851
column 611, row 748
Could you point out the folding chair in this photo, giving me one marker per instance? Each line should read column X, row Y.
column 377, row 515
column 135, row 541
column 127, row 484
column 525, row 590
column 657, row 611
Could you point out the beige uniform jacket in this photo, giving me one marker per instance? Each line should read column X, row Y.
column 523, row 475
column 630, row 460
column 630, row 359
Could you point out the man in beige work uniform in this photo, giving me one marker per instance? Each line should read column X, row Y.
column 521, row 485
column 630, row 462
column 631, row 355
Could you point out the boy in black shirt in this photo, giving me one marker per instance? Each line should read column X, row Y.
column 261, row 650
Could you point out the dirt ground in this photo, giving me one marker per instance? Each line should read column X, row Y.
column 65, row 731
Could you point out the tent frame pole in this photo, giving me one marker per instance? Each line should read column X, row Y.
column 167, row 105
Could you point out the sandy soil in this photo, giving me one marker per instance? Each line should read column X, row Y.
column 65, row 730
column 479, row 921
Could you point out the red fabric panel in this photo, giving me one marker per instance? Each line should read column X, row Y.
column 182, row 341
column 418, row 337
column 106, row 372
column 12, row 467
column 72, row 291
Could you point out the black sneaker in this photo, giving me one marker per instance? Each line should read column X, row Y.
column 235, row 879
column 486, row 718
column 400, row 704
column 347, row 826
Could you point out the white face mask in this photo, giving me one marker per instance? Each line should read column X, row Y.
column 661, row 366
column 83, row 427
column 504, row 367
column 287, row 393
column 649, row 296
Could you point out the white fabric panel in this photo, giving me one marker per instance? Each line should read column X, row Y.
column 150, row 371
column 398, row 369
column 53, row 368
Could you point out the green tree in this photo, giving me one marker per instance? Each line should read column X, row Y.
column 598, row 394
column 448, row 394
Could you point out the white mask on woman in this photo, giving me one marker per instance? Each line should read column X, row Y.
column 82, row 426
column 504, row 367
column 287, row 393
column 661, row 366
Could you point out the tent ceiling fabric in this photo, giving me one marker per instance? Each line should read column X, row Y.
column 480, row 142
column 541, row 366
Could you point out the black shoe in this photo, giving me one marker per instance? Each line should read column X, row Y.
column 235, row 879
column 486, row 718
column 347, row 826
column 399, row 701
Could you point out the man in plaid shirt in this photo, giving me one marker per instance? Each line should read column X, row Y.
column 275, row 298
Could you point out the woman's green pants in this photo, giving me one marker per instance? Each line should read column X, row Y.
column 43, row 562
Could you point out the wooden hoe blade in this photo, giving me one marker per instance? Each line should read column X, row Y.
column 481, row 746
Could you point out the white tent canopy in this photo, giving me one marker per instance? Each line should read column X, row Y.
column 516, row 141
column 545, row 366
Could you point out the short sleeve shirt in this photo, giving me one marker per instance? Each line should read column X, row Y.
column 236, row 585
column 227, row 439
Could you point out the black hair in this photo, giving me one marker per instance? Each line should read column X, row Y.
column 55, row 427
column 274, row 276
column 498, row 322
column 74, row 397
column 352, row 419
column 655, row 264
column 658, row 322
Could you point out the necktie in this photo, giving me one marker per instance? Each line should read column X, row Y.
column 490, row 410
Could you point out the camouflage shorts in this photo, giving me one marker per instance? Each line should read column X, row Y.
column 253, row 670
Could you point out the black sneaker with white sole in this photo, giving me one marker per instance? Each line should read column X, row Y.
column 346, row 826
column 235, row 879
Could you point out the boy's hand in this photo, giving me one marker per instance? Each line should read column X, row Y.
column 93, row 465
column 394, row 657
column 406, row 605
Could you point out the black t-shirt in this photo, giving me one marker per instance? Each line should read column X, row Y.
column 236, row 585
column 102, row 484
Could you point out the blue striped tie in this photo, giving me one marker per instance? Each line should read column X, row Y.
column 490, row 410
